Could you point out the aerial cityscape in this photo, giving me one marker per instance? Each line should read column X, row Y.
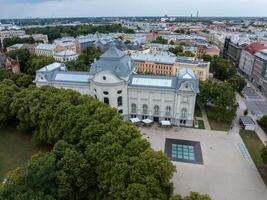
column 133, row 100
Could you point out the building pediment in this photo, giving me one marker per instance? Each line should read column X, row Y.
column 106, row 77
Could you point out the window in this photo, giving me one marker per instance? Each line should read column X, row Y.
column 145, row 108
column 119, row 101
column 106, row 100
column 95, row 97
column 119, row 92
column 105, row 93
column 144, row 117
column 168, row 111
column 184, row 113
column 133, row 107
column 104, row 78
column 156, row 110
column 120, row 111
column 95, row 90
column 185, row 99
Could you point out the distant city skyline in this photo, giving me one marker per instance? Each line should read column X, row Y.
column 104, row 8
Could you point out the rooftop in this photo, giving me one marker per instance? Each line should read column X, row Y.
column 49, row 47
column 158, row 57
column 246, row 120
column 51, row 67
column 152, row 82
column 186, row 73
column 16, row 46
column 81, row 77
column 115, row 61
column 66, row 53
column 255, row 47
column 262, row 54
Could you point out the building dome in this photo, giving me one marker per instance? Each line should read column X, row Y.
column 114, row 61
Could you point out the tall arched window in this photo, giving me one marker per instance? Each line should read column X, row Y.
column 184, row 113
column 145, row 109
column 156, row 110
column 168, row 111
column 106, row 100
column 119, row 101
column 133, row 107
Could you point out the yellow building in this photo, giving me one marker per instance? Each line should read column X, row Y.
column 165, row 63
column 199, row 67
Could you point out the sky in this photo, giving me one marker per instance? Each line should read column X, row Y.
column 99, row 8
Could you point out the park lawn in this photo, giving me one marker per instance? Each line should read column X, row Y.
column 197, row 111
column 215, row 125
column 254, row 146
column 201, row 124
column 16, row 148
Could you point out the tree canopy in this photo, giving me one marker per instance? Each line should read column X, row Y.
column 60, row 31
column 223, row 70
column 86, row 58
column 95, row 155
column 22, row 55
column 7, row 42
column 263, row 123
column 160, row 40
column 222, row 96
column 179, row 51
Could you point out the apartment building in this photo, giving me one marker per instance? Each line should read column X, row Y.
column 259, row 72
column 247, row 58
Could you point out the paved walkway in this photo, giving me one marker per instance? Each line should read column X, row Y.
column 205, row 118
column 225, row 174
column 235, row 128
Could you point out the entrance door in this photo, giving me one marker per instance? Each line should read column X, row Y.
column 182, row 122
column 156, row 119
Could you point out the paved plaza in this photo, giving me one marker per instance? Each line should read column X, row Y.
column 227, row 173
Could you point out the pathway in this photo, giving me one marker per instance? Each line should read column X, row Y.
column 205, row 118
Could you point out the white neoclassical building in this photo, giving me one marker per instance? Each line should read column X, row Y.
column 112, row 80
column 66, row 56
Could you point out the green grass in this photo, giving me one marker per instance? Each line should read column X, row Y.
column 215, row 125
column 197, row 111
column 201, row 124
column 16, row 148
column 254, row 146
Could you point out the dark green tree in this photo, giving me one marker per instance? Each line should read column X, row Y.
column 264, row 155
column 263, row 123
column 23, row 56
column 7, row 91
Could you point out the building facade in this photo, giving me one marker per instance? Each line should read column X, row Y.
column 65, row 56
column 47, row 50
column 232, row 51
column 247, row 58
column 112, row 80
column 167, row 64
column 259, row 73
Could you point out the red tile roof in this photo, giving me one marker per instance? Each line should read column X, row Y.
column 255, row 47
